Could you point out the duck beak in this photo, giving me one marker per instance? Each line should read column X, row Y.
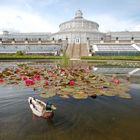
column 53, row 107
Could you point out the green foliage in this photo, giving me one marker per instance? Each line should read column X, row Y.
column 123, row 64
column 65, row 61
column 13, row 56
column 19, row 53
column 97, row 57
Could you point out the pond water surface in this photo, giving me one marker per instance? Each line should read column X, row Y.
column 103, row 118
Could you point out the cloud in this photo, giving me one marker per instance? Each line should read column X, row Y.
column 48, row 2
column 109, row 23
column 28, row 16
column 135, row 28
column 18, row 20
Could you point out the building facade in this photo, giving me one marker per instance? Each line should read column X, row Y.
column 76, row 31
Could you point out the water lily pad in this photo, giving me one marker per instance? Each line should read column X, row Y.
column 125, row 95
column 65, row 96
column 80, row 95
column 48, row 93
column 65, row 82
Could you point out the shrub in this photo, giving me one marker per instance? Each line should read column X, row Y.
column 19, row 53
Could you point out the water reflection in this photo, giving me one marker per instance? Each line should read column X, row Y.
column 131, row 74
column 117, row 70
column 103, row 118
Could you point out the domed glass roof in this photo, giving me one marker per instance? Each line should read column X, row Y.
column 79, row 24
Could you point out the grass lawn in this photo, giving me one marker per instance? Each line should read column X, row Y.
column 14, row 56
column 97, row 57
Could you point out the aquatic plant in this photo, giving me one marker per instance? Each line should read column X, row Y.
column 76, row 82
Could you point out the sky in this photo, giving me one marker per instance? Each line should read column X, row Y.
column 47, row 15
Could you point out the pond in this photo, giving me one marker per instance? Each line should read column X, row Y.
column 102, row 118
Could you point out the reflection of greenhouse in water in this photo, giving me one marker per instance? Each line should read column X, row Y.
column 47, row 65
column 130, row 71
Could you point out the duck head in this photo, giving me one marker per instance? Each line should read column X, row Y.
column 49, row 105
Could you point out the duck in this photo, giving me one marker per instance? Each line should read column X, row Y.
column 41, row 109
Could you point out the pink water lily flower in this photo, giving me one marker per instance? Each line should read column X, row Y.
column 1, row 80
column 33, row 78
column 37, row 77
column 29, row 82
column 71, row 82
column 17, row 70
column 21, row 74
column 25, row 78
column 46, row 83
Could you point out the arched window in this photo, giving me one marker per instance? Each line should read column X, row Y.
column 132, row 38
column 117, row 38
